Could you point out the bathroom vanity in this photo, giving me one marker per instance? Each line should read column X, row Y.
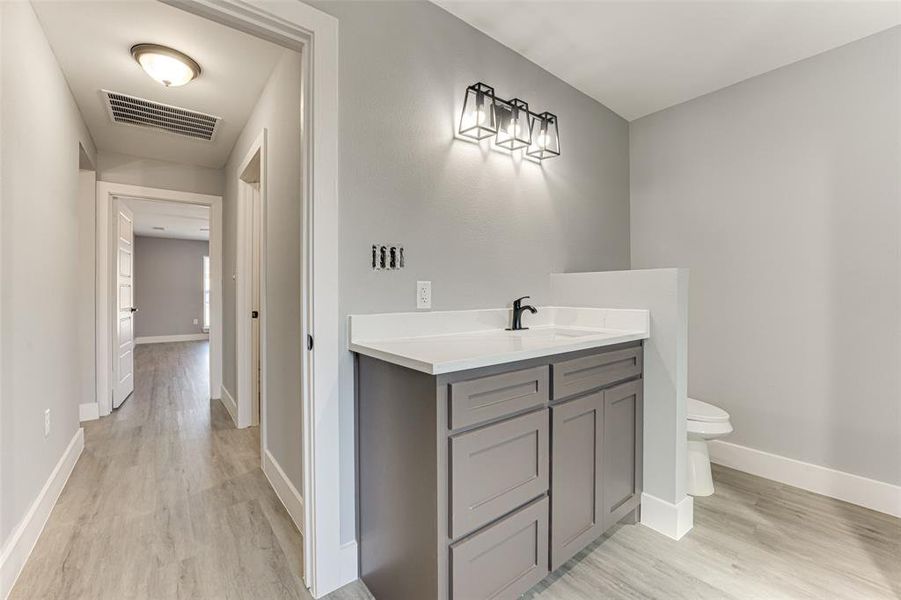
column 488, row 458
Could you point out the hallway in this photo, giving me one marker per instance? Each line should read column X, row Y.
column 167, row 501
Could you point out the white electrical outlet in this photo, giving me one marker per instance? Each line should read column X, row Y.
column 423, row 294
column 47, row 422
column 197, row 321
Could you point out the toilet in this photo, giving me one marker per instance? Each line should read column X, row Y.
column 705, row 422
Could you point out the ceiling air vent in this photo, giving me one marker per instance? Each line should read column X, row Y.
column 130, row 110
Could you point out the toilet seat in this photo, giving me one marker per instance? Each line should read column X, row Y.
column 707, row 420
column 706, row 413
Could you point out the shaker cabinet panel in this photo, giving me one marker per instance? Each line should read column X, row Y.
column 622, row 439
column 577, row 511
column 488, row 398
column 496, row 469
column 505, row 560
column 580, row 375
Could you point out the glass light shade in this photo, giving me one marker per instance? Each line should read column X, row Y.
column 479, row 119
column 165, row 65
column 545, row 137
column 513, row 130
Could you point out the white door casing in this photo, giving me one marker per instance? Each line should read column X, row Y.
column 250, row 287
column 124, row 363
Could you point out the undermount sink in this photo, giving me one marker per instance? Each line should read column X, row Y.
column 555, row 333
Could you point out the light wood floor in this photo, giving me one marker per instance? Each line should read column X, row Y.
column 753, row 539
column 168, row 501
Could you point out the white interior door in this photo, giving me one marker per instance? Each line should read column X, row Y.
column 255, row 367
column 124, row 362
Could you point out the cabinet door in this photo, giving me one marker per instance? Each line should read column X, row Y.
column 622, row 439
column 577, row 508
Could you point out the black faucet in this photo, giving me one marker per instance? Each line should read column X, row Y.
column 518, row 309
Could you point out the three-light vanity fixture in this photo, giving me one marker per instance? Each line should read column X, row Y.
column 512, row 124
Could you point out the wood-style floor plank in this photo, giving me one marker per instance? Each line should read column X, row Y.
column 169, row 501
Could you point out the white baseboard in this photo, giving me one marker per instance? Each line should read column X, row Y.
column 869, row 493
column 21, row 541
column 89, row 411
column 186, row 337
column 229, row 403
column 284, row 489
column 672, row 520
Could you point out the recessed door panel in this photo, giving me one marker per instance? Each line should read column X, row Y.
column 125, row 262
column 126, row 335
column 503, row 561
column 496, row 469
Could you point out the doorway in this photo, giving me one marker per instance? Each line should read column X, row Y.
column 115, row 287
column 250, row 284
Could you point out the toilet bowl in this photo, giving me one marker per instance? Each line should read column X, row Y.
column 705, row 422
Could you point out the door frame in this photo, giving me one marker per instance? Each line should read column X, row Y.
column 329, row 561
column 244, row 294
column 105, row 291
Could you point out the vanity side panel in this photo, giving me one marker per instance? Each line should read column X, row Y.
column 442, row 445
column 397, row 417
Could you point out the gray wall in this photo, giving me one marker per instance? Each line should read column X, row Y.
column 482, row 227
column 781, row 194
column 133, row 170
column 278, row 111
column 39, row 289
column 168, row 285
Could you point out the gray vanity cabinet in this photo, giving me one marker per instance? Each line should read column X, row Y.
column 474, row 485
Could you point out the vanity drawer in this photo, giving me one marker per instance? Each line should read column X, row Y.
column 579, row 375
column 505, row 560
column 495, row 469
column 487, row 398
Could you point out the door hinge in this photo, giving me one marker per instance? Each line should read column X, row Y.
column 309, row 342
column 254, row 314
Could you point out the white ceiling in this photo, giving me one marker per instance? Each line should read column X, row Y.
column 178, row 220
column 92, row 42
column 638, row 57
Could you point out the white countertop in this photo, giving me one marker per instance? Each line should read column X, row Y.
column 448, row 341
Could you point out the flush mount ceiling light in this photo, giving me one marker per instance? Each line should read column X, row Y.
column 166, row 65
column 512, row 124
